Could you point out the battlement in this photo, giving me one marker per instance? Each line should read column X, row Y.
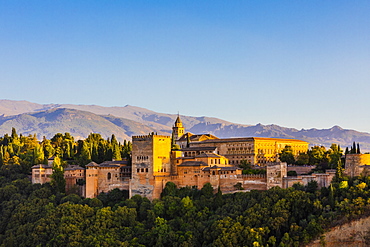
column 252, row 176
column 148, row 137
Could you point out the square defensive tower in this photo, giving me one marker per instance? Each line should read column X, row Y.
column 151, row 166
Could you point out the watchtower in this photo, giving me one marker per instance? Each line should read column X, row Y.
column 151, row 166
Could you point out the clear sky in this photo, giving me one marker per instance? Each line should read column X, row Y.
column 300, row 64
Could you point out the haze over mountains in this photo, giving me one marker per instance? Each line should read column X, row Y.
column 81, row 120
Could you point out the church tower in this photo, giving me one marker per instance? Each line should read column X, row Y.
column 178, row 130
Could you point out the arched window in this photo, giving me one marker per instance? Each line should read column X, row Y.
column 109, row 176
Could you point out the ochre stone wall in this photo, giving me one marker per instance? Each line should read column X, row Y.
column 151, row 165
column 300, row 169
column 322, row 179
column 41, row 175
column 355, row 164
column 275, row 173
column 72, row 175
column 91, row 182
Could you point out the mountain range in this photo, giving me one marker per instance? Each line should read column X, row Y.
column 124, row 122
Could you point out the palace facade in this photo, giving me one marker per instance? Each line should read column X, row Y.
column 187, row 160
column 255, row 150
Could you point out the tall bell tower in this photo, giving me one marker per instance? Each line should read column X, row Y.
column 178, row 130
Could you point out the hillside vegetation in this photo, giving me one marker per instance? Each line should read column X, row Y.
column 47, row 215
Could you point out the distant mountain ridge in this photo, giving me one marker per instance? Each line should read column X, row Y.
column 81, row 120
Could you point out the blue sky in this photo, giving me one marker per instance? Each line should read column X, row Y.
column 300, row 64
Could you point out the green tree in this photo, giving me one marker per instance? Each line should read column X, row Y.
column 207, row 190
column 83, row 153
column 126, row 151
column 287, row 155
column 14, row 134
column 116, row 153
column 317, row 155
column 169, row 190
column 47, row 148
column 57, row 178
column 312, row 186
column 335, row 154
column 302, row 159
column 38, row 155
column 1, row 156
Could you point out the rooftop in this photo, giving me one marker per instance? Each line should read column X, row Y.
column 249, row 139
column 205, row 155
column 42, row 166
column 194, row 138
column 73, row 167
column 222, row 168
column 115, row 162
column 199, row 149
column 193, row 163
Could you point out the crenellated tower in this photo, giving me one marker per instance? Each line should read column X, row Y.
column 151, row 166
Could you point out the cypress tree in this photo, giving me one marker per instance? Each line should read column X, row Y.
column 14, row 134
column 172, row 140
column 58, row 181
column 331, row 196
column 347, row 151
column 358, row 148
column 116, row 153
column 114, row 140
column 1, row 156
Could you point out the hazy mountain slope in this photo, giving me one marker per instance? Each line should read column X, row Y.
column 47, row 123
column 131, row 120
column 11, row 107
column 159, row 121
column 323, row 137
column 134, row 128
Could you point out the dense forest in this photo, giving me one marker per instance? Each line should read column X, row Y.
column 42, row 215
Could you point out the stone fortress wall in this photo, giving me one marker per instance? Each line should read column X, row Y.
column 206, row 159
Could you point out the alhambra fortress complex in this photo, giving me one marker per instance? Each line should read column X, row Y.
column 187, row 159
